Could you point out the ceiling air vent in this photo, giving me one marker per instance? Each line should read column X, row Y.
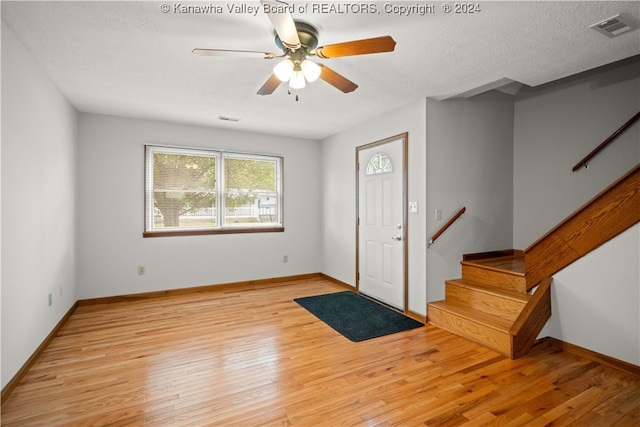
column 613, row 26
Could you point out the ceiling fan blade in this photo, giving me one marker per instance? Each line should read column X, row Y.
column 282, row 21
column 234, row 53
column 270, row 85
column 357, row 47
column 336, row 80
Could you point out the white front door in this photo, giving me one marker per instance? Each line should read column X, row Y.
column 381, row 221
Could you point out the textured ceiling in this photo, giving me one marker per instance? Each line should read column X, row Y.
column 131, row 59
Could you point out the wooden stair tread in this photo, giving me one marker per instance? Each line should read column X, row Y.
column 510, row 264
column 490, row 303
column 476, row 316
column 488, row 289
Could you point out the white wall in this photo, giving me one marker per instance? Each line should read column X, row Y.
column 111, row 212
column 469, row 162
column 595, row 300
column 594, row 310
column 39, row 142
column 555, row 127
column 460, row 154
column 339, row 196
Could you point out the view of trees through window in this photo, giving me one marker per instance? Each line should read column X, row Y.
column 183, row 185
column 248, row 181
column 197, row 189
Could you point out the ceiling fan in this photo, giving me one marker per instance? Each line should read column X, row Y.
column 298, row 41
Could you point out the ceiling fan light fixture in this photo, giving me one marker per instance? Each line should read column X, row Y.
column 297, row 80
column 311, row 70
column 283, row 70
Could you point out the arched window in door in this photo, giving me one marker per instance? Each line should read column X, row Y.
column 379, row 163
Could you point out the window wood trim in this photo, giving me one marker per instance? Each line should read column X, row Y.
column 199, row 232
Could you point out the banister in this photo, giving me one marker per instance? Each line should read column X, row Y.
column 446, row 226
column 608, row 214
column 606, row 142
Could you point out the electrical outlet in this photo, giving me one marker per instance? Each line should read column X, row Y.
column 141, row 270
column 285, row 258
column 50, row 299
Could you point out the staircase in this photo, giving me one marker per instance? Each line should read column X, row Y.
column 492, row 305
column 503, row 305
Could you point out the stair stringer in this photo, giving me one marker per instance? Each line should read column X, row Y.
column 532, row 319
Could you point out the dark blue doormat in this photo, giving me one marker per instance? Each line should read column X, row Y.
column 355, row 316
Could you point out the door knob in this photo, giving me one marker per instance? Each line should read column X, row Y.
column 398, row 237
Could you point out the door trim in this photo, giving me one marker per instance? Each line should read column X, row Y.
column 405, row 164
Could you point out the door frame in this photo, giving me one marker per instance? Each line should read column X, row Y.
column 405, row 164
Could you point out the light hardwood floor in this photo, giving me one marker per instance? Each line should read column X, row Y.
column 255, row 357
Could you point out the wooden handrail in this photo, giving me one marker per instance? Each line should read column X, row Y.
column 605, row 216
column 606, row 142
column 447, row 225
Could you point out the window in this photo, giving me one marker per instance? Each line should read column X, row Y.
column 379, row 163
column 189, row 191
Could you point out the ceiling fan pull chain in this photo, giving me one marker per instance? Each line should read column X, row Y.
column 290, row 93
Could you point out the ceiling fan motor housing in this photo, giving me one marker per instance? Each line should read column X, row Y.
column 307, row 34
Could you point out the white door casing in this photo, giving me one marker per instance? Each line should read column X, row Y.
column 381, row 221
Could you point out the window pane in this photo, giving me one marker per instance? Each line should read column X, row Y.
column 251, row 190
column 184, row 190
column 191, row 191
column 379, row 163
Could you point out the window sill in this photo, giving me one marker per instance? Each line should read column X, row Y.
column 230, row 230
